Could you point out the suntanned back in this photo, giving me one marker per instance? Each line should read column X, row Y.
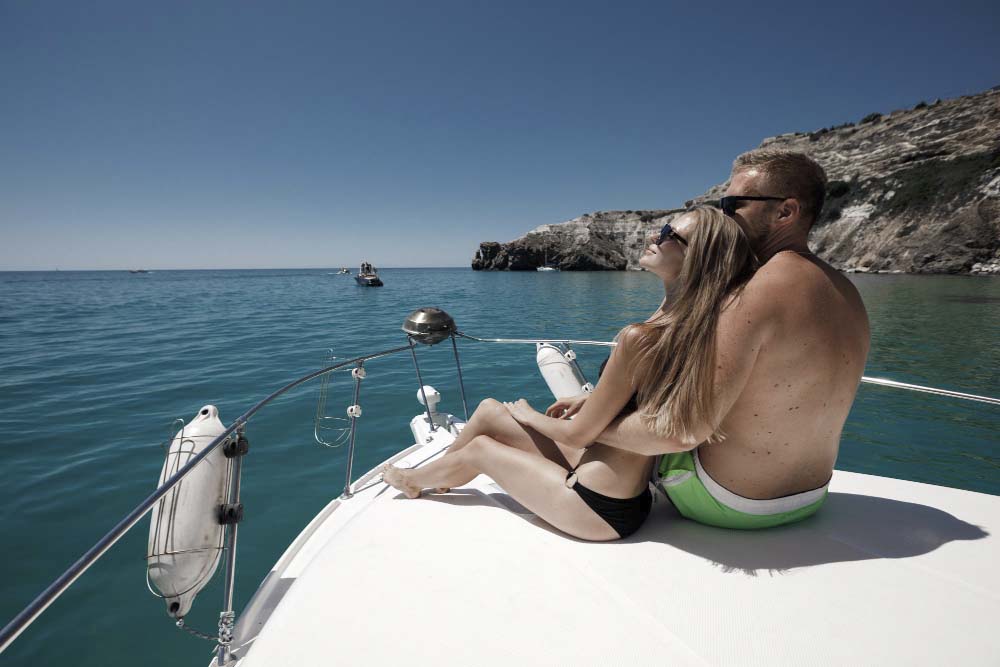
column 783, row 432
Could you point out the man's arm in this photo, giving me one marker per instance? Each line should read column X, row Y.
column 744, row 326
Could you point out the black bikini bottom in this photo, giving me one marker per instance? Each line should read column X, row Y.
column 624, row 515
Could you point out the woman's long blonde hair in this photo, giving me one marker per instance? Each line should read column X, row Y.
column 674, row 369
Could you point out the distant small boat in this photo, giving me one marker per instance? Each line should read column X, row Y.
column 343, row 271
column 368, row 276
column 138, row 271
column 546, row 266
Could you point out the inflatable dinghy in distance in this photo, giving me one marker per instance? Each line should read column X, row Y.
column 368, row 280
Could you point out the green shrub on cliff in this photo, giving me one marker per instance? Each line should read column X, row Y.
column 939, row 181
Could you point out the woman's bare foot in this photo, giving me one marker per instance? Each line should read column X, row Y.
column 396, row 478
column 442, row 489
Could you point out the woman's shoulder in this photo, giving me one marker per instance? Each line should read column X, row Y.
column 631, row 338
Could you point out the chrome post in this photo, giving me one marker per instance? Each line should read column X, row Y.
column 353, row 411
column 571, row 355
column 461, row 385
column 227, row 617
column 427, row 407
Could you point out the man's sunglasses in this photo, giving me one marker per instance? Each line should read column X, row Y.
column 668, row 233
column 730, row 204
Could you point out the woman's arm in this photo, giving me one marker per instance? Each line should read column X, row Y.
column 630, row 434
column 564, row 408
column 612, row 393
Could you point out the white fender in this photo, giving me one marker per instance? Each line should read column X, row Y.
column 561, row 374
column 185, row 536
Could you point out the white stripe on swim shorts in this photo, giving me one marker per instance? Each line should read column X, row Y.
column 750, row 505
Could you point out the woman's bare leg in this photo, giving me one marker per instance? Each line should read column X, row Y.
column 532, row 480
column 492, row 419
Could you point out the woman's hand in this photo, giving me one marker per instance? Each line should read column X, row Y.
column 521, row 411
column 564, row 408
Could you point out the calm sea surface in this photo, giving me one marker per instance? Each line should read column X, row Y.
column 96, row 366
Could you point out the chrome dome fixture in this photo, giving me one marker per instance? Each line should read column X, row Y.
column 429, row 325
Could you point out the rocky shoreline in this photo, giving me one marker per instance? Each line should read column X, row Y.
column 911, row 191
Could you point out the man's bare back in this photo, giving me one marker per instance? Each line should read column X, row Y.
column 783, row 431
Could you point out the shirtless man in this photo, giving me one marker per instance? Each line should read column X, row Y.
column 791, row 352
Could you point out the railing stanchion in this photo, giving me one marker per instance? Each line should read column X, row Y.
column 231, row 514
column 354, row 412
column 427, row 406
column 461, row 384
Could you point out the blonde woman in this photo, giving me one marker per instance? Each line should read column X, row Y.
column 551, row 464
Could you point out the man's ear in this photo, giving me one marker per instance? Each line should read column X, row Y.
column 789, row 211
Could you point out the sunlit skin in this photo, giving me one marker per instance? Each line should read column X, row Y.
column 772, row 226
column 665, row 259
column 790, row 353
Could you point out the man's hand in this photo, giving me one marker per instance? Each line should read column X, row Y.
column 521, row 411
column 564, row 408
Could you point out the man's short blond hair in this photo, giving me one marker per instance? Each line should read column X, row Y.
column 788, row 174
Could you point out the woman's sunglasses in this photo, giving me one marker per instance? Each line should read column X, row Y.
column 668, row 233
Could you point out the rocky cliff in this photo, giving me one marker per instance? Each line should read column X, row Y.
column 912, row 191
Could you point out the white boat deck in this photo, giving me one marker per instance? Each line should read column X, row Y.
column 888, row 572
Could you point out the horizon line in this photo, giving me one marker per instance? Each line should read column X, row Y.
column 264, row 268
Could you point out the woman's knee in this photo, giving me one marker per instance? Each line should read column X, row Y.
column 488, row 405
column 492, row 411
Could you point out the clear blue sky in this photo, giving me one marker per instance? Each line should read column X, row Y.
column 230, row 134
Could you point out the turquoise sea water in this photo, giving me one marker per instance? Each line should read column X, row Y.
column 96, row 366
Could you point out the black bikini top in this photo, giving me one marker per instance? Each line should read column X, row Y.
column 633, row 403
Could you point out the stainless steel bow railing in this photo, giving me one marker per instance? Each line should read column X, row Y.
column 883, row 382
column 27, row 616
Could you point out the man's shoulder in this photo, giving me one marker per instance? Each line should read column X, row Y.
column 779, row 286
column 791, row 274
column 790, row 285
column 783, row 267
column 760, row 293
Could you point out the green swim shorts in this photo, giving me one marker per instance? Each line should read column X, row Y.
column 700, row 498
